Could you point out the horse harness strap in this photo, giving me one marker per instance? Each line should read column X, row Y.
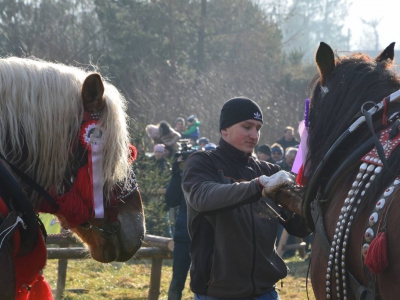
column 361, row 292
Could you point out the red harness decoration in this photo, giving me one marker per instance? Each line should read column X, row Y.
column 30, row 284
column 372, row 156
column 376, row 256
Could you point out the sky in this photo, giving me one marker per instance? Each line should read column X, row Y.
column 386, row 12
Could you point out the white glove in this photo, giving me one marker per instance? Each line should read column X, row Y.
column 274, row 182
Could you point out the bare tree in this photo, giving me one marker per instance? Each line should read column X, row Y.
column 65, row 31
column 372, row 24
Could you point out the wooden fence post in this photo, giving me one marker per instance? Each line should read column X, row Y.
column 155, row 278
column 61, row 277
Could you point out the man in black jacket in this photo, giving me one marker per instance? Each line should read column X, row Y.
column 230, row 222
column 181, row 262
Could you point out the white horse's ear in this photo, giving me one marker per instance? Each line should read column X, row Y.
column 325, row 60
column 93, row 93
column 387, row 55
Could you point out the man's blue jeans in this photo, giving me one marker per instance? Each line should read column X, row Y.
column 271, row 295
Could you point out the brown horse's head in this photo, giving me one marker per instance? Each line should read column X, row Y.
column 346, row 184
column 67, row 129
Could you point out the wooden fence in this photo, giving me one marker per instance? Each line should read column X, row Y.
column 154, row 247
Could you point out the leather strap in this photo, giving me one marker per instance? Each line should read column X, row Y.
column 32, row 183
column 317, row 216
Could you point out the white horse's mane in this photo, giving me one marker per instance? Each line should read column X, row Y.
column 41, row 111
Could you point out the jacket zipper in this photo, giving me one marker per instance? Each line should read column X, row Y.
column 254, row 249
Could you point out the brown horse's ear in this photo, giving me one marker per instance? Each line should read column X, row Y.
column 387, row 55
column 325, row 60
column 93, row 93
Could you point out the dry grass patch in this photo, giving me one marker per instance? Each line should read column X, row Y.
column 127, row 281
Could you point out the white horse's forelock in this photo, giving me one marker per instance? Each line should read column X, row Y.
column 41, row 111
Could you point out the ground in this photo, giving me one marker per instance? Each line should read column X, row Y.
column 90, row 280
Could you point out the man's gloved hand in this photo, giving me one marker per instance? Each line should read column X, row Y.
column 271, row 184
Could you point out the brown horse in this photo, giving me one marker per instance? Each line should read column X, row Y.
column 66, row 131
column 351, row 169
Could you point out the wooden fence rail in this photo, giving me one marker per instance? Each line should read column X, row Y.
column 154, row 247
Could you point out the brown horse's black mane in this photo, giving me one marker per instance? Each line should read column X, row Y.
column 354, row 80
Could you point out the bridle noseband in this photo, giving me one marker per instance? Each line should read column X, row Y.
column 112, row 225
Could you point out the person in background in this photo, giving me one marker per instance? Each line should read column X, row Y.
column 210, row 146
column 288, row 139
column 233, row 234
column 158, row 159
column 192, row 132
column 169, row 137
column 181, row 262
column 163, row 133
column 180, row 125
column 153, row 132
column 276, row 152
column 263, row 152
column 287, row 162
column 201, row 142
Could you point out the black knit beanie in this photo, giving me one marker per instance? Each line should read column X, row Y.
column 238, row 110
column 264, row 149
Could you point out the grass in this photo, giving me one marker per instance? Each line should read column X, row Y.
column 122, row 281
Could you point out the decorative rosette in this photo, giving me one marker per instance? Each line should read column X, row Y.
column 87, row 130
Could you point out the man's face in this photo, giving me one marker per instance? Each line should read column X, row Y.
column 289, row 135
column 202, row 145
column 290, row 158
column 158, row 155
column 244, row 135
column 276, row 155
column 179, row 126
column 262, row 156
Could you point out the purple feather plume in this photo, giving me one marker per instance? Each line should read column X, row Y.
column 306, row 111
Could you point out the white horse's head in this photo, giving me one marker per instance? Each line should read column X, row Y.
column 67, row 129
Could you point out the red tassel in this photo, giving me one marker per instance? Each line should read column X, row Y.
column 41, row 290
column 133, row 153
column 376, row 258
